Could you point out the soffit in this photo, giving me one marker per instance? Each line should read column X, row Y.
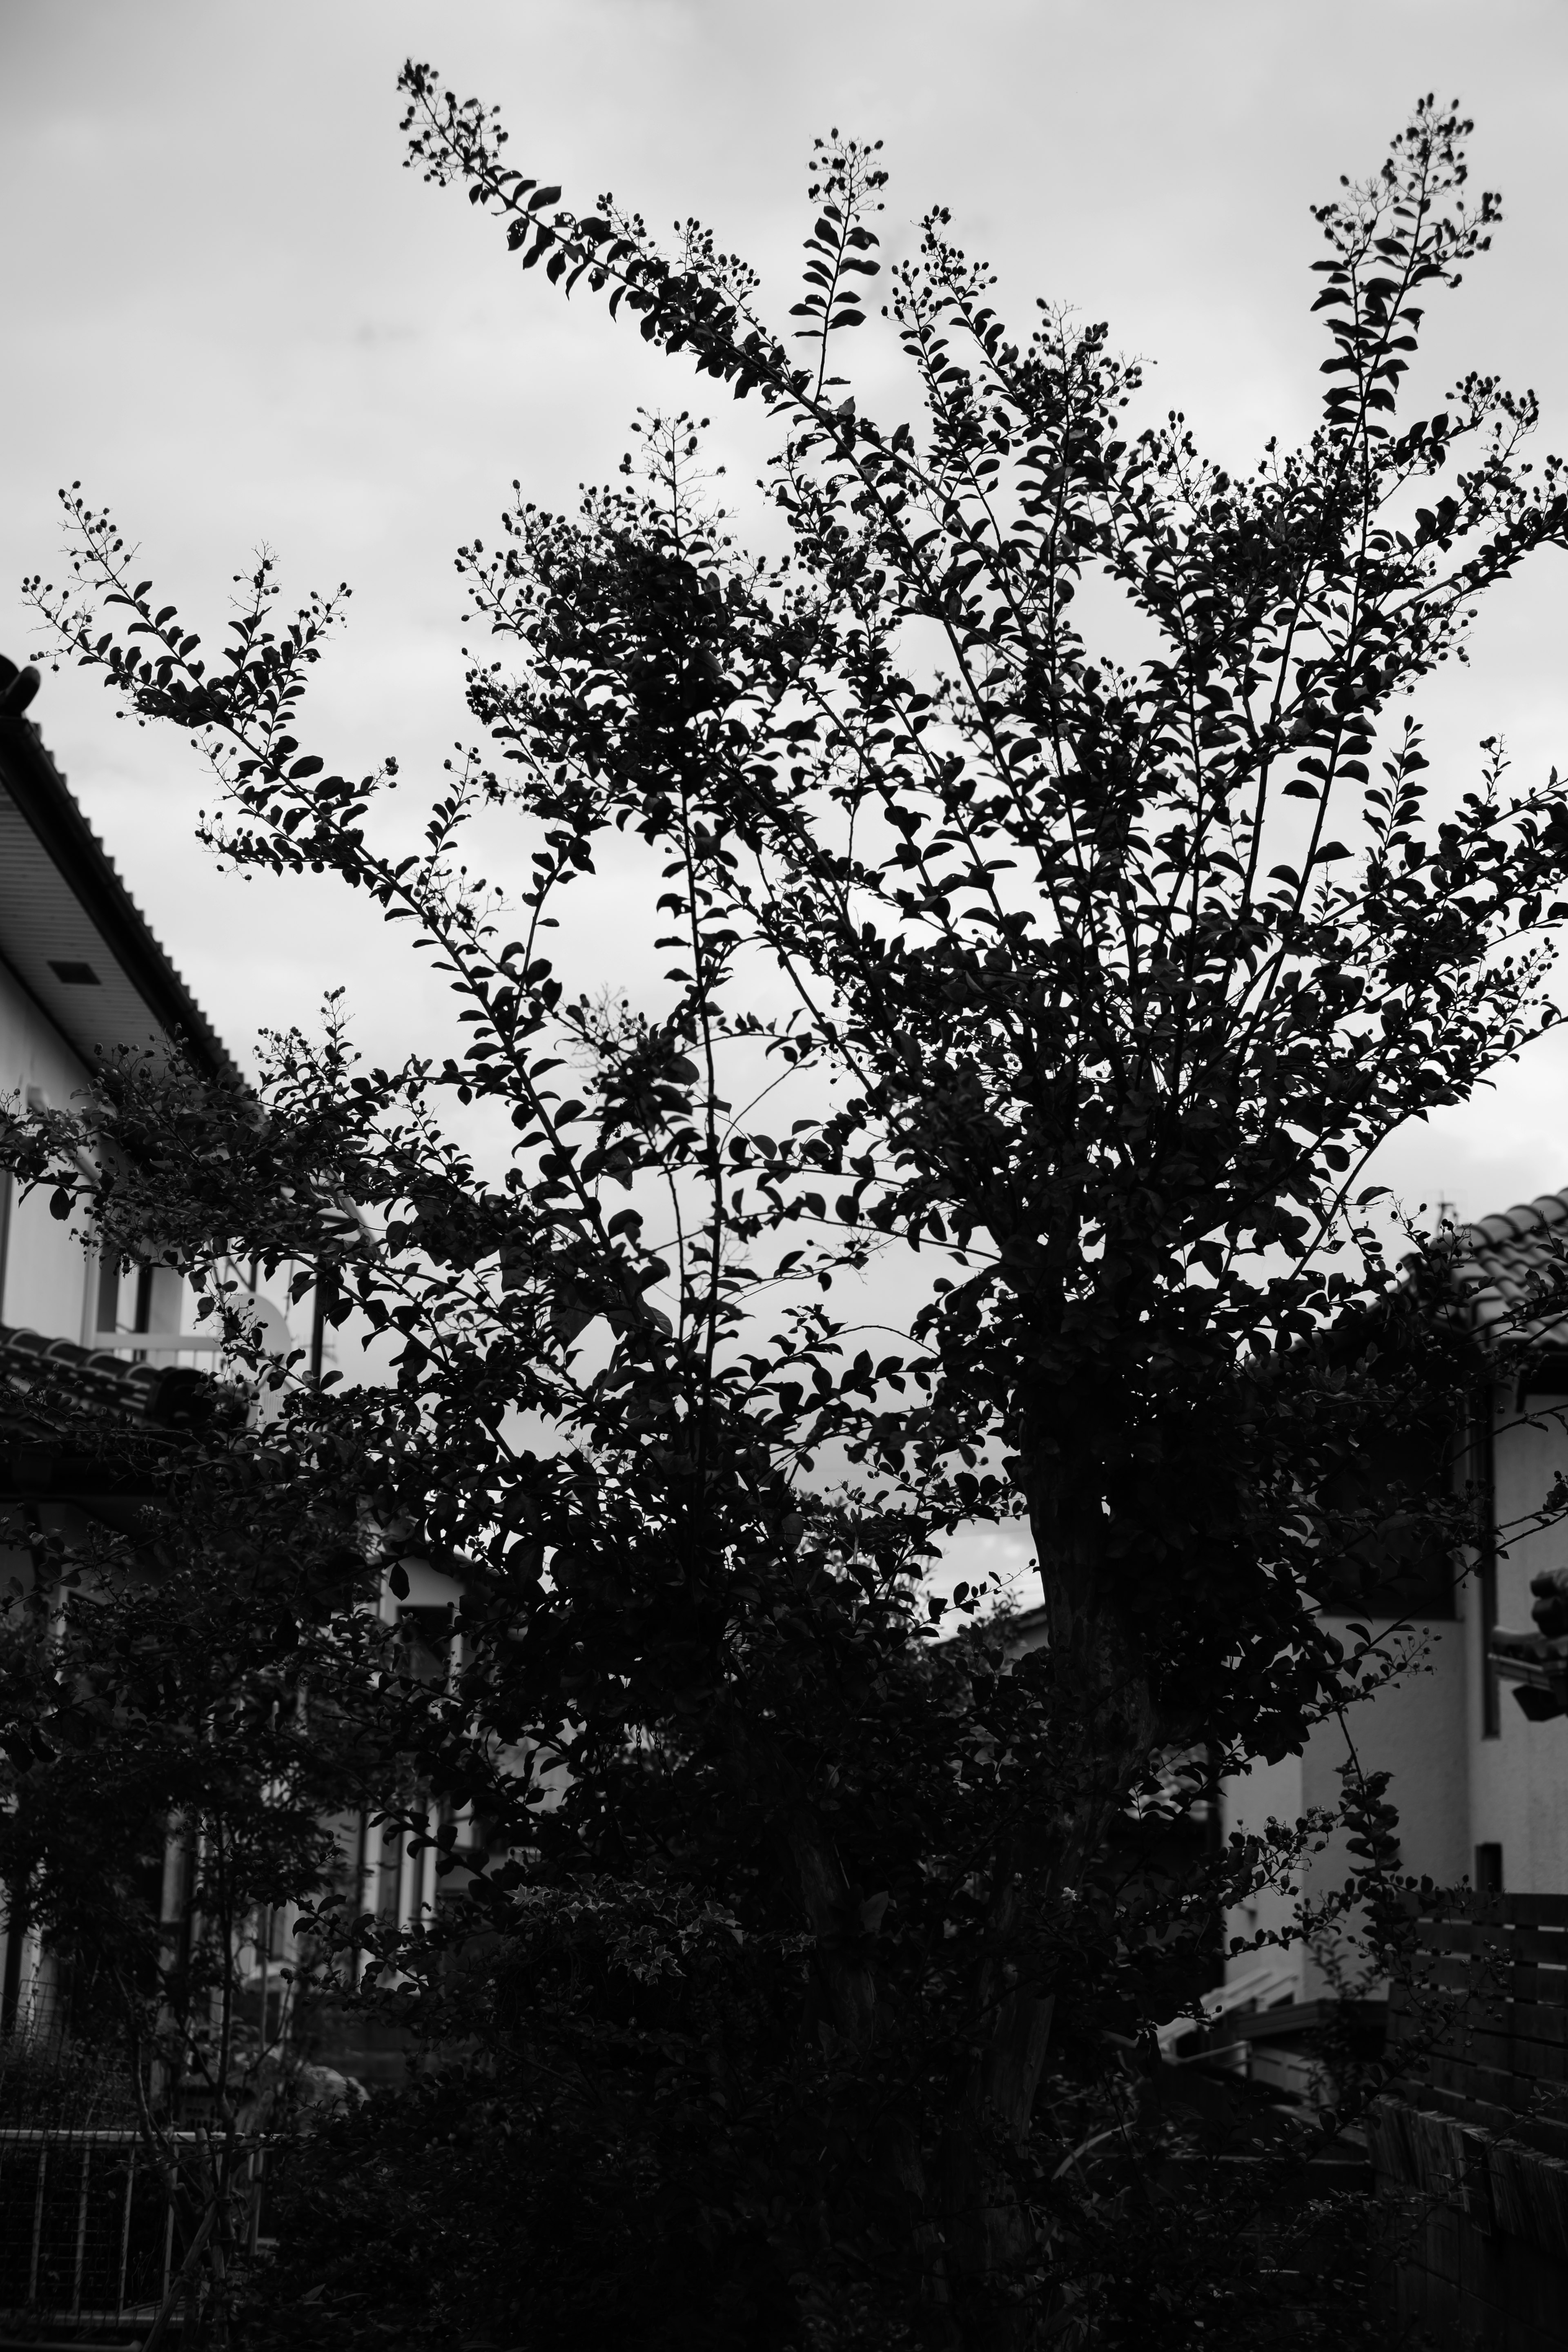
column 63, row 902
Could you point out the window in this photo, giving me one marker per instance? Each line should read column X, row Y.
column 389, row 1877
column 108, row 1295
column 425, row 1635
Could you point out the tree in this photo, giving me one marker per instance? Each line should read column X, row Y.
column 189, row 1712
column 1085, row 985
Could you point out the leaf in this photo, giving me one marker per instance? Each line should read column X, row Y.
column 397, row 1580
column 570, row 1316
column 308, row 766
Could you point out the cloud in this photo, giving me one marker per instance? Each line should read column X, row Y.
column 236, row 319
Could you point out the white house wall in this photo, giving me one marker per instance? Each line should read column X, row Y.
column 44, row 1282
column 1457, row 1786
column 1414, row 1728
column 1519, row 1780
column 44, row 1287
column 1248, row 1801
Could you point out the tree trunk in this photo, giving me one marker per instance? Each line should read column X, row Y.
column 1110, row 1722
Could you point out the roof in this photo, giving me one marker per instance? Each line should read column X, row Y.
column 35, row 1370
column 1511, row 1270
column 70, row 932
column 75, row 1423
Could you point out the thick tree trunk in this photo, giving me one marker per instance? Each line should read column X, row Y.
column 1100, row 1677
column 971, row 2236
column 1110, row 1724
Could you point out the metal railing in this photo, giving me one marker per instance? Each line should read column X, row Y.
column 86, row 2232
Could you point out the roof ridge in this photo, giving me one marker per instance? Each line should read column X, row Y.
column 1510, row 1270
column 1525, row 1217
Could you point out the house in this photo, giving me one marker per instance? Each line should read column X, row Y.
column 1473, row 1735
column 86, row 2232
column 81, row 975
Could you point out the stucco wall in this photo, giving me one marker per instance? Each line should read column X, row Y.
column 45, row 1280
column 49, row 1283
column 1414, row 1728
column 1248, row 1801
column 1457, row 1786
column 1519, row 1780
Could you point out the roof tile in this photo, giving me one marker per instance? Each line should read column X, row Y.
column 1511, row 1269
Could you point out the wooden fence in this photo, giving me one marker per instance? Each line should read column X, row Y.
column 1472, row 2161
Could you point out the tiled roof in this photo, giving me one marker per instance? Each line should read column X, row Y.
column 86, row 1426
column 1511, row 1270
column 35, row 1370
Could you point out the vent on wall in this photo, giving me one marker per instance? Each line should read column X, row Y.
column 75, row 975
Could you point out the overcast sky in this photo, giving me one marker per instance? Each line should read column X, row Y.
column 231, row 314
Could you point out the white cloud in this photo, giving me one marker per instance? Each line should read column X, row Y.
column 236, row 319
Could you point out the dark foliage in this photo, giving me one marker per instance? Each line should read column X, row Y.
column 1075, row 993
